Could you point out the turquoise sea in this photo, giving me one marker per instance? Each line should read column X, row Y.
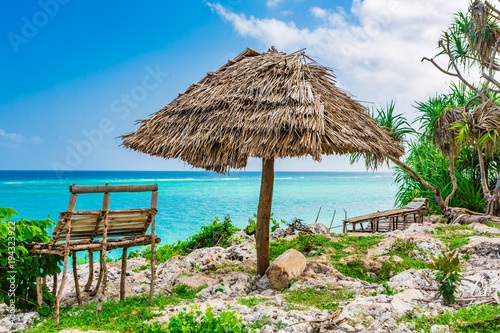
column 188, row 200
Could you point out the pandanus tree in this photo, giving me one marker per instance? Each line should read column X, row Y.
column 263, row 105
column 472, row 42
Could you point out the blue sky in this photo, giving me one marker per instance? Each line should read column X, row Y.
column 75, row 75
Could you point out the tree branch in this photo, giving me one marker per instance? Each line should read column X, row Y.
column 439, row 67
column 448, row 52
column 490, row 68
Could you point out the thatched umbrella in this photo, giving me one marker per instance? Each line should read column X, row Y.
column 264, row 105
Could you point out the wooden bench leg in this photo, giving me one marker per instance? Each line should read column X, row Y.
column 99, row 279
column 60, row 291
column 123, row 274
column 104, row 270
column 91, row 272
column 75, row 277
column 39, row 295
column 54, row 284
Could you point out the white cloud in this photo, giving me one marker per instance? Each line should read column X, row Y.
column 14, row 137
column 273, row 3
column 36, row 139
column 376, row 50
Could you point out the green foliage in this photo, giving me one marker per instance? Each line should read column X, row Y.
column 251, row 301
column 251, row 228
column 215, row 234
column 18, row 266
column 448, row 274
column 303, row 243
column 197, row 321
column 321, row 298
column 473, row 319
column 119, row 316
column 388, row 290
column 453, row 236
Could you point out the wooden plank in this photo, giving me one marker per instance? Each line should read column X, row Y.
column 77, row 189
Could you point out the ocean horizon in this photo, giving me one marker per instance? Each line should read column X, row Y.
column 189, row 199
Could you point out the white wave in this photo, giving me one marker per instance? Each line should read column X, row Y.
column 10, row 183
column 286, row 178
column 230, row 178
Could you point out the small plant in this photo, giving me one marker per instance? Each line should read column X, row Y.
column 251, row 228
column 448, row 274
column 197, row 321
column 388, row 290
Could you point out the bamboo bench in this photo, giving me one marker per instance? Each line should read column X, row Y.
column 391, row 217
column 99, row 230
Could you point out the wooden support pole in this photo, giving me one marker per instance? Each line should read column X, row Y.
column 123, row 274
column 99, row 279
column 54, row 284
column 75, row 277
column 91, row 272
column 154, row 203
column 39, row 295
column 104, row 268
column 44, row 280
column 71, row 208
column 264, row 214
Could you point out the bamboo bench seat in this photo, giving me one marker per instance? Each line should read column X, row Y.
column 100, row 230
column 389, row 220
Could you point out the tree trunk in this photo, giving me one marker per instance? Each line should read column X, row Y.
column 443, row 205
column 493, row 207
column 484, row 176
column 264, row 214
column 451, row 158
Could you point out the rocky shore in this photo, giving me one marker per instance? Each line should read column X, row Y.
column 227, row 279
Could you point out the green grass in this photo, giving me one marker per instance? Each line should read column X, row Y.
column 493, row 225
column 303, row 243
column 450, row 237
column 117, row 316
column 473, row 319
column 252, row 301
column 319, row 297
column 405, row 250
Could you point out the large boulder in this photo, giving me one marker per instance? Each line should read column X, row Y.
column 286, row 267
column 318, row 228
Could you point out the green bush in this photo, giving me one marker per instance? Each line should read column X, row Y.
column 196, row 321
column 215, row 234
column 20, row 268
column 251, row 228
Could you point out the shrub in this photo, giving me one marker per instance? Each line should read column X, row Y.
column 215, row 234
column 251, row 228
column 448, row 274
column 19, row 266
column 197, row 321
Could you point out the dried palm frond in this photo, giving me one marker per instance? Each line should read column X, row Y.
column 482, row 32
column 264, row 105
column 444, row 134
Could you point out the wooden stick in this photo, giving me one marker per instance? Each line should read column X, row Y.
column 123, row 274
column 39, row 295
column 154, row 202
column 263, row 215
column 75, row 277
column 99, row 279
column 104, row 268
column 115, row 188
column 91, row 271
column 71, row 207
column 54, row 284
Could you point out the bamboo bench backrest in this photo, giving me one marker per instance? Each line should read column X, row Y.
column 88, row 224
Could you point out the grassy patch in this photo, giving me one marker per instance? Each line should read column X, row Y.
column 117, row 316
column 405, row 250
column 473, row 319
column 319, row 297
column 303, row 243
column 493, row 225
column 453, row 235
column 252, row 301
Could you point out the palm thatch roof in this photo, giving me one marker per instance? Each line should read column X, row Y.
column 263, row 105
